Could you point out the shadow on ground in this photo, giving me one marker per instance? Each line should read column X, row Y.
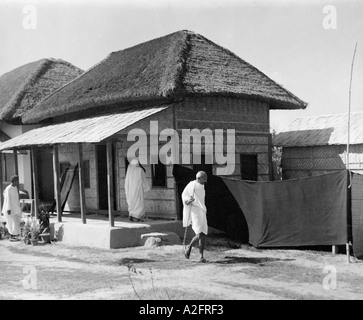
column 126, row 261
column 234, row 260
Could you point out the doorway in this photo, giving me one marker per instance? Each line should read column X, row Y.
column 44, row 159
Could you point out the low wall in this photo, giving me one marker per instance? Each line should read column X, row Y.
column 105, row 237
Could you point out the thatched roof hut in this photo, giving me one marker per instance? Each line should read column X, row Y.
column 22, row 88
column 163, row 70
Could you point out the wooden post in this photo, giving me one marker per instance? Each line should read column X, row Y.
column 110, row 184
column 1, row 182
column 347, row 251
column 57, row 183
column 35, row 181
column 82, row 197
column 16, row 165
column 334, row 249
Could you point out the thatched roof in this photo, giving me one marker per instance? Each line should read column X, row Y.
column 22, row 88
column 168, row 69
column 322, row 130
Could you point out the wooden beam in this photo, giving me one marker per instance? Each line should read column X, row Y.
column 1, row 182
column 110, row 184
column 35, row 181
column 82, row 197
column 57, row 183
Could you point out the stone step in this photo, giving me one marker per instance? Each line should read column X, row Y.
column 154, row 239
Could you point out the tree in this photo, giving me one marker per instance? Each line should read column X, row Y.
column 276, row 158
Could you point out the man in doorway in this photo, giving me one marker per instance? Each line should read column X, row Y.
column 195, row 213
column 11, row 209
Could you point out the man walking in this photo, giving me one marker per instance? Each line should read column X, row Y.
column 11, row 209
column 195, row 213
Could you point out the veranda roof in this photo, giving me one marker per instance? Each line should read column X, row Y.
column 322, row 130
column 168, row 68
column 89, row 130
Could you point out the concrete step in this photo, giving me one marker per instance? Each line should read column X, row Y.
column 154, row 239
column 97, row 232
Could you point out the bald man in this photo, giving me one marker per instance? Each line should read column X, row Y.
column 195, row 212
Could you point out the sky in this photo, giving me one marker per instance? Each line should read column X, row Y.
column 306, row 46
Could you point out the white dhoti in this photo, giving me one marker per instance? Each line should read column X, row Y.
column 13, row 223
column 196, row 213
column 12, row 204
column 199, row 220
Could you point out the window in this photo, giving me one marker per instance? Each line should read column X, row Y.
column 158, row 175
column 249, row 169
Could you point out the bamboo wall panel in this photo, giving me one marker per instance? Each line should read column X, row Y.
column 319, row 159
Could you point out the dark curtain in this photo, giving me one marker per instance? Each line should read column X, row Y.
column 299, row 212
column 357, row 215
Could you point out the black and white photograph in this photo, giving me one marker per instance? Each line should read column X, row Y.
column 179, row 154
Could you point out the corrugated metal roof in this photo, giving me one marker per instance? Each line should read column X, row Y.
column 322, row 130
column 89, row 130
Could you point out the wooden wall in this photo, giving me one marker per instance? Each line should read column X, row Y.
column 300, row 162
column 249, row 118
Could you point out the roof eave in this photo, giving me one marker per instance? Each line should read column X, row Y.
column 287, row 105
column 91, row 107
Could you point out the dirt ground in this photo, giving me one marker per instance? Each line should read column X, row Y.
column 233, row 271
